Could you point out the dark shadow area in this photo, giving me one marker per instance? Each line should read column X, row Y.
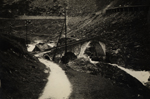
column 68, row 57
column 46, row 57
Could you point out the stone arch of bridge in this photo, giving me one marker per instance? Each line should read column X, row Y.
column 79, row 50
column 46, row 56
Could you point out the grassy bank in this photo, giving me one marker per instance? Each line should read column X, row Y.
column 109, row 83
column 22, row 75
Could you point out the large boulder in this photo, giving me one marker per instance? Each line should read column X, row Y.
column 41, row 47
column 83, row 65
column 69, row 56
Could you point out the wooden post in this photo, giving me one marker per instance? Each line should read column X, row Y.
column 65, row 33
column 66, row 23
column 57, row 43
column 26, row 32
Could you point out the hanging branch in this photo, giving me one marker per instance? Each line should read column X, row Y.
column 26, row 25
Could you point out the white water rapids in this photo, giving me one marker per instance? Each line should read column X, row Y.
column 58, row 85
column 83, row 48
column 32, row 46
column 142, row 76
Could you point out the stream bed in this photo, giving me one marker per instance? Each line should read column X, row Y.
column 142, row 76
column 58, row 85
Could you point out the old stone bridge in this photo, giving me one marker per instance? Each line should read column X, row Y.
column 82, row 48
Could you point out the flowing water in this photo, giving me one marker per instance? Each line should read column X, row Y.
column 83, row 48
column 142, row 76
column 32, row 46
column 103, row 47
column 58, row 85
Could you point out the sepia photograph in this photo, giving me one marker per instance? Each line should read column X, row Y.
column 74, row 49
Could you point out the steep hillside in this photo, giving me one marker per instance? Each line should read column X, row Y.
column 22, row 75
column 124, row 31
column 12, row 8
column 36, row 29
